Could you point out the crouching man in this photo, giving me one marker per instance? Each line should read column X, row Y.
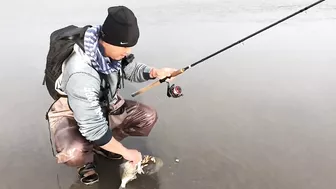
column 91, row 117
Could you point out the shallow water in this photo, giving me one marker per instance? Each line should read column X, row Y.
column 260, row 115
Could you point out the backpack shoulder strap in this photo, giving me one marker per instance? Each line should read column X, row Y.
column 78, row 37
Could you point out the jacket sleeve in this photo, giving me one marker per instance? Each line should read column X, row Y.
column 83, row 98
column 137, row 72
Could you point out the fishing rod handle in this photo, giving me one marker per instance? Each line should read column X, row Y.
column 144, row 89
column 177, row 72
column 158, row 82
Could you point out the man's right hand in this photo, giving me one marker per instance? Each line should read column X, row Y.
column 132, row 155
column 129, row 154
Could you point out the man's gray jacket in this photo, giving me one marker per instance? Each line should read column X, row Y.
column 82, row 85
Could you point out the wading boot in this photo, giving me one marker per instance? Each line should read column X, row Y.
column 87, row 174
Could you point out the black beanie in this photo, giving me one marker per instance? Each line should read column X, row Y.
column 120, row 27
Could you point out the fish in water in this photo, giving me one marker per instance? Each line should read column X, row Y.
column 147, row 166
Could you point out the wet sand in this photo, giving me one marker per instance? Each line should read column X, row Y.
column 260, row 115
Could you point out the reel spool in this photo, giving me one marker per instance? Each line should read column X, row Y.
column 174, row 91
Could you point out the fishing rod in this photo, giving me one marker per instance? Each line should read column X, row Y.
column 176, row 91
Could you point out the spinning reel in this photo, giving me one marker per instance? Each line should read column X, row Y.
column 174, row 91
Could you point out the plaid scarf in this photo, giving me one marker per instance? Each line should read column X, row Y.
column 91, row 46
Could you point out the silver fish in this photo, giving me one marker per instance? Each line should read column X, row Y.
column 148, row 165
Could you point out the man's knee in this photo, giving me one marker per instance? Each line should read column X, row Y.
column 149, row 120
column 141, row 113
column 76, row 154
column 72, row 148
column 140, row 121
column 151, row 117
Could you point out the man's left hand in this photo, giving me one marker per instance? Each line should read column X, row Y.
column 162, row 73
